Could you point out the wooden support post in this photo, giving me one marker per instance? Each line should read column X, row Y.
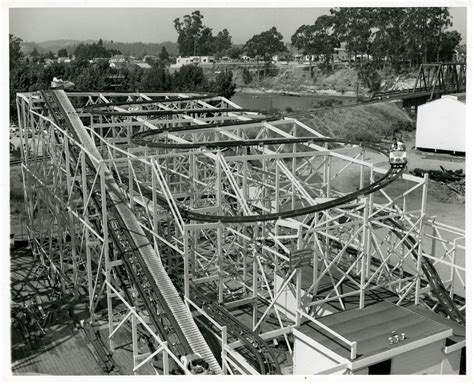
column 90, row 288
column 315, row 255
column 224, row 351
column 220, row 263
column 166, row 364
column 419, row 269
column 108, row 268
column 365, row 240
column 254, row 289
column 186, row 265
column 367, row 237
column 361, row 177
column 135, row 350
column 299, row 280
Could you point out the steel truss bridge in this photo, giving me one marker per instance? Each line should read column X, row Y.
column 172, row 211
column 432, row 81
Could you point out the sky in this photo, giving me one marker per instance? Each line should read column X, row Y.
column 155, row 25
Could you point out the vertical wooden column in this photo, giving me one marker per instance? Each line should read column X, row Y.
column 85, row 193
column 299, row 280
column 186, row 264
column 224, row 351
column 361, row 175
column 419, row 270
column 367, row 238
column 220, row 262
column 135, row 351
column 315, row 255
column 107, row 260
column 363, row 261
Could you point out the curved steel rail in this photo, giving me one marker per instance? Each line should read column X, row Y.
column 140, row 139
column 384, row 180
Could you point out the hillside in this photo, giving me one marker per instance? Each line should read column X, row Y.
column 133, row 49
column 369, row 123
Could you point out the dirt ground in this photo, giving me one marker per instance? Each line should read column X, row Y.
column 444, row 203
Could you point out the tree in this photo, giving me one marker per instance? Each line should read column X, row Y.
column 318, row 38
column 389, row 35
column 156, row 79
column 223, row 86
column 94, row 50
column 222, row 42
column 35, row 56
column 370, row 77
column 189, row 31
column 426, row 26
column 15, row 50
column 164, row 55
column 265, row 44
column 205, row 43
column 246, row 76
column 448, row 43
column 302, row 39
column 190, row 78
column 194, row 38
column 354, row 26
column 62, row 52
column 234, row 52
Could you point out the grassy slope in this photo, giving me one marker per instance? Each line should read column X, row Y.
column 371, row 122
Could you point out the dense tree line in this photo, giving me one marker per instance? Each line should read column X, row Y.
column 27, row 76
column 393, row 35
column 94, row 50
column 414, row 35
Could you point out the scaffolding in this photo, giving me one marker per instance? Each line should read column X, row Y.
column 284, row 270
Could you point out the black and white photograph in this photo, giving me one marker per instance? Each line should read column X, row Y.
column 219, row 189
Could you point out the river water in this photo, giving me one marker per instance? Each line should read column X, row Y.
column 282, row 102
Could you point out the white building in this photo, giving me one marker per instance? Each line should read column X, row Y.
column 117, row 61
column 180, row 61
column 441, row 125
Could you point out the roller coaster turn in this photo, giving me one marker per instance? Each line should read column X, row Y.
column 190, row 205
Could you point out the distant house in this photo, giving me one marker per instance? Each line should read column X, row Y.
column 198, row 60
column 441, row 125
column 147, row 58
column 48, row 62
column 99, row 59
column 340, row 54
column 297, row 57
column 308, row 58
column 117, row 61
column 142, row 65
column 64, row 60
column 281, row 58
